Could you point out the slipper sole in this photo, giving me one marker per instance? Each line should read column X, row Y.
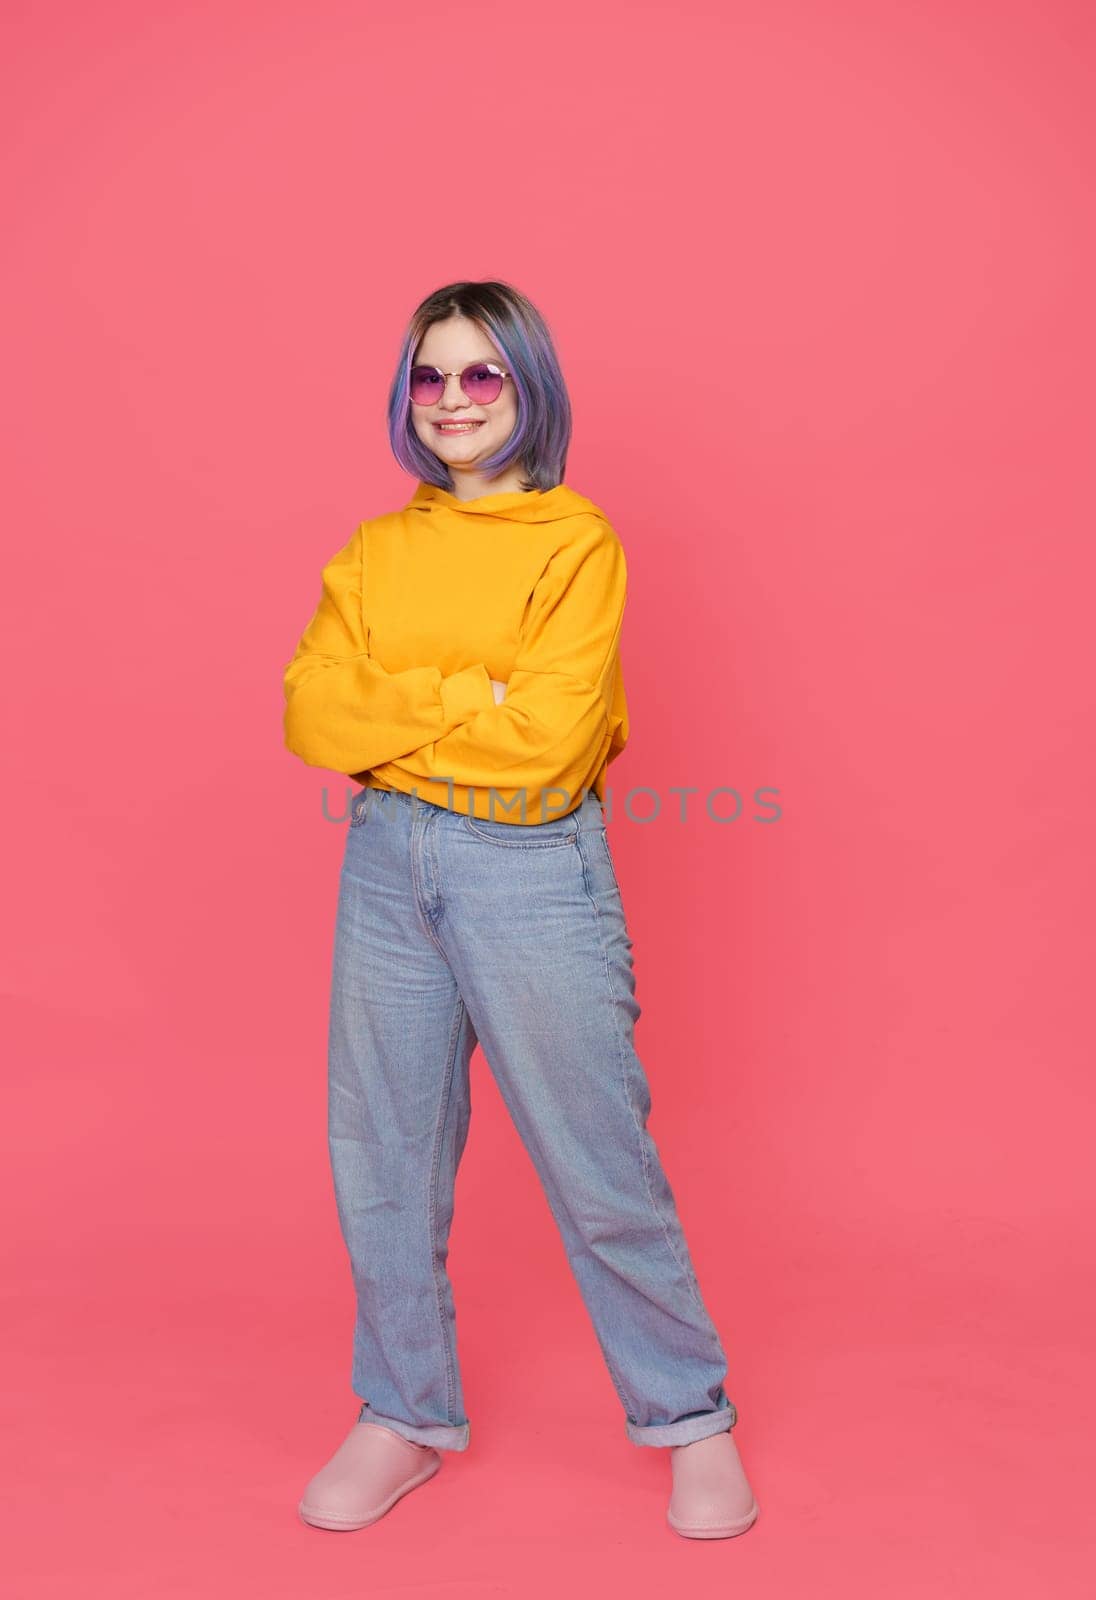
column 319, row 1519
column 714, row 1530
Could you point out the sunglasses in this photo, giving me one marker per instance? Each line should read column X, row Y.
column 482, row 382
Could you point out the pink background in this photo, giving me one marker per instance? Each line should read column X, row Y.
column 820, row 277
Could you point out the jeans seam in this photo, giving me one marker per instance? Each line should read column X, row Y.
column 682, row 1267
column 618, row 1382
column 432, row 1209
column 426, row 921
column 604, row 832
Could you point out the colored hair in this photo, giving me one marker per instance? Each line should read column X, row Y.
column 541, row 436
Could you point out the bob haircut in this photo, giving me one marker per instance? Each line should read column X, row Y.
column 541, row 436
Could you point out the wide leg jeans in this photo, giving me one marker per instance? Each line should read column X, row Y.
column 449, row 930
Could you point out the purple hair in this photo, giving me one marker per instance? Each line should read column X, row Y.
column 541, row 435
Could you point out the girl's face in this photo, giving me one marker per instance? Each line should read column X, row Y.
column 451, row 346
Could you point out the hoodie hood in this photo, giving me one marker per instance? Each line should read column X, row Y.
column 532, row 505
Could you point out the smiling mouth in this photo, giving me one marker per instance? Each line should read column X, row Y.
column 458, row 427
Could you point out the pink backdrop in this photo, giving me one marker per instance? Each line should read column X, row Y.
column 820, row 276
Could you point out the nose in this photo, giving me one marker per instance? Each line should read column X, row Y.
column 453, row 396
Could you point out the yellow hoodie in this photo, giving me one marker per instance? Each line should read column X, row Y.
column 422, row 607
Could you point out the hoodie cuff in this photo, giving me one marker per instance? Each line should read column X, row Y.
column 466, row 692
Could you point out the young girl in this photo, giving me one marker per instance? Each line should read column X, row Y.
column 463, row 666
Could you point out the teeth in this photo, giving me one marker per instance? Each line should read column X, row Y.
column 457, row 427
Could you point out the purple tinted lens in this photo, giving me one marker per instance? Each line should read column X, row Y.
column 481, row 383
column 427, row 385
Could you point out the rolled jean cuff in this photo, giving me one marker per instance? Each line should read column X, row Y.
column 435, row 1434
column 686, row 1430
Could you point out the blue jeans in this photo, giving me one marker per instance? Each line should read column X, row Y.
column 451, row 930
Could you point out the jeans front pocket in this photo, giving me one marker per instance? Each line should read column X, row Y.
column 525, row 836
column 359, row 809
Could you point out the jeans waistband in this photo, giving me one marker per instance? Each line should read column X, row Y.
column 587, row 814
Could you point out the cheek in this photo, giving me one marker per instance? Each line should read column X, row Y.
column 506, row 417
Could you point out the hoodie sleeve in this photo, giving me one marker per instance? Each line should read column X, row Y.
column 556, row 723
column 342, row 710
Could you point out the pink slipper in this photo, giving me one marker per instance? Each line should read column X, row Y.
column 365, row 1477
column 711, row 1498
